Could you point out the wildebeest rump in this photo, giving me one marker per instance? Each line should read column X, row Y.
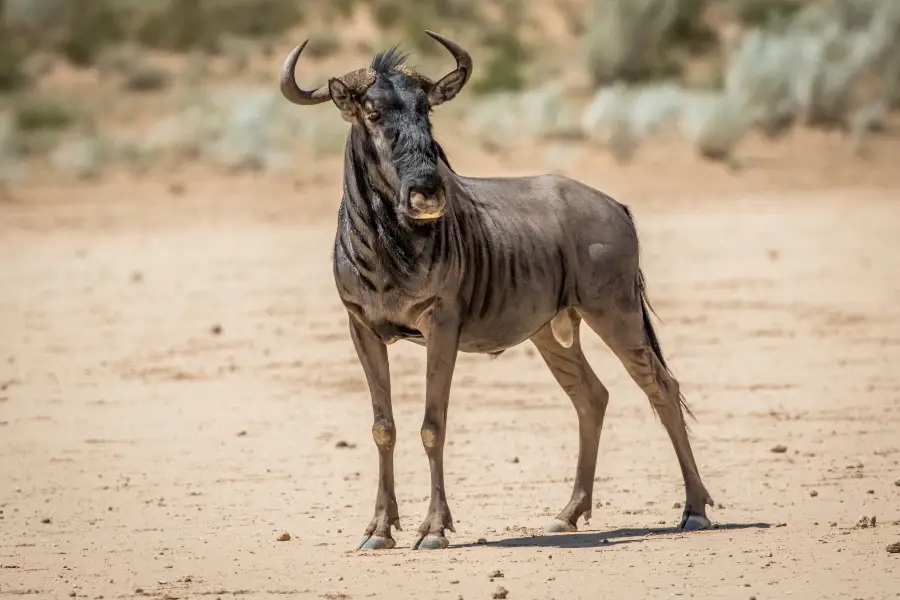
column 469, row 264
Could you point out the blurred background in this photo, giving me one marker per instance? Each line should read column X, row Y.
column 88, row 87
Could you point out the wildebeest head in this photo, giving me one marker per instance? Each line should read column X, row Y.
column 389, row 104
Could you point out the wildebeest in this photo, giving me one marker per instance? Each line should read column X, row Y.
column 468, row 264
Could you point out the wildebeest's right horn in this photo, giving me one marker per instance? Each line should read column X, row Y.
column 357, row 81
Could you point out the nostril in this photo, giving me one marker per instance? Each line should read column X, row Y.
column 427, row 191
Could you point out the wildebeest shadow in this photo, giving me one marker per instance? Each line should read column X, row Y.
column 596, row 539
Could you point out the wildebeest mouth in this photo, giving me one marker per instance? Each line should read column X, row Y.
column 426, row 208
column 426, row 216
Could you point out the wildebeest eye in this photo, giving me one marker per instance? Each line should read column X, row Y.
column 373, row 117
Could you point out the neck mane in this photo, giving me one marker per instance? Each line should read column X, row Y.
column 385, row 248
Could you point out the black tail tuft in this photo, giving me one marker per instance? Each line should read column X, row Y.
column 646, row 310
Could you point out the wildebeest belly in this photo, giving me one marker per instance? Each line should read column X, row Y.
column 509, row 324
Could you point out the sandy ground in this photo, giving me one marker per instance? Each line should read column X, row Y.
column 178, row 388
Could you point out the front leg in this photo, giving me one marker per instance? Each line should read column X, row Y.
column 373, row 356
column 442, row 343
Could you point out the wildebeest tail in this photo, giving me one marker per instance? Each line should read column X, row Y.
column 649, row 330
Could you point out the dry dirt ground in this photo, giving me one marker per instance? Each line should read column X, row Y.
column 178, row 388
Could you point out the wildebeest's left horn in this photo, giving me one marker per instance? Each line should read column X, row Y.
column 357, row 81
column 463, row 60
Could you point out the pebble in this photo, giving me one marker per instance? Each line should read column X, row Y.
column 779, row 449
column 894, row 548
column 496, row 574
column 676, row 505
column 46, row 521
column 284, row 537
column 897, row 483
column 813, row 493
column 500, row 593
column 481, row 541
column 864, row 522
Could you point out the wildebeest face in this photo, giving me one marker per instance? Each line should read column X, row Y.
column 394, row 115
column 390, row 103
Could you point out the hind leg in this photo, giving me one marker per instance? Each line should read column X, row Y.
column 589, row 397
column 628, row 336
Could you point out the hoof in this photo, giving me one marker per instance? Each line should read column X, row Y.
column 432, row 542
column 695, row 523
column 560, row 526
column 376, row 542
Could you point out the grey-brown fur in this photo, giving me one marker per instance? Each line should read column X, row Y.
column 463, row 264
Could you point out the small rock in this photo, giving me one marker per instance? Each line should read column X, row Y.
column 284, row 537
column 894, row 548
column 779, row 449
column 897, row 483
column 72, row 594
column 871, row 492
column 515, row 459
column 241, row 433
column 46, row 521
column 147, row 79
column 813, row 493
column 500, row 593
column 343, row 444
column 781, row 525
column 864, row 522
column 481, row 541
column 454, row 581
column 216, row 329
column 676, row 505
column 496, row 574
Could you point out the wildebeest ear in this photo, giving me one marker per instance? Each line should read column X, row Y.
column 447, row 88
column 343, row 99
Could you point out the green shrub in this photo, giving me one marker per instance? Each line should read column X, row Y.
column 94, row 24
column 387, row 13
column 504, row 70
column 36, row 114
column 324, row 46
column 180, row 27
column 760, row 13
column 12, row 71
column 187, row 24
column 689, row 29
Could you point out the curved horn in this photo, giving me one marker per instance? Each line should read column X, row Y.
column 357, row 81
column 289, row 87
column 463, row 60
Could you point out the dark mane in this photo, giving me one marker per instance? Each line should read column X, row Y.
column 388, row 60
column 443, row 155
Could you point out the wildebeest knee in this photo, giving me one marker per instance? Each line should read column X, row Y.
column 384, row 434
column 430, row 436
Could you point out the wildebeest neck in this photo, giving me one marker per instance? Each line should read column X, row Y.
column 386, row 249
